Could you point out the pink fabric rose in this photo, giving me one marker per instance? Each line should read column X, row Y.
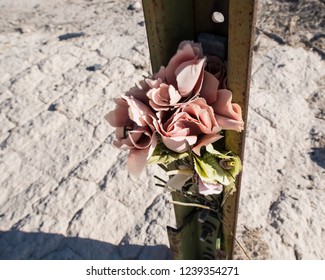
column 139, row 91
column 185, row 69
column 155, row 94
column 134, row 131
column 227, row 114
column 163, row 97
column 192, row 124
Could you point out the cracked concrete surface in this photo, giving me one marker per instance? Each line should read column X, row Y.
column 64, row 190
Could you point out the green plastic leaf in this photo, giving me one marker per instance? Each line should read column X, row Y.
column 209, row 170
column 162, row 155
column 216, row 167
column 228, row 157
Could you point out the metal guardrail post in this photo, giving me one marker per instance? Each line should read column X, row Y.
column 241, row 31
column 168, row 22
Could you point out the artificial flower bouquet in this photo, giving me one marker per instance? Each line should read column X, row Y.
column 176, row 119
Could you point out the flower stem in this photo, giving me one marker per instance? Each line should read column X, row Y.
column 159, row 179
column 191, row 205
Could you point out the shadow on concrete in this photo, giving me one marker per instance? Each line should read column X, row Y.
column 20, row 245
column 318, row 156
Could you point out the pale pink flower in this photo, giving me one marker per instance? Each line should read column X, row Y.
column 227, row 114
column 185, row 69
column 209, row 189
column 192, row 124
column 134, row 131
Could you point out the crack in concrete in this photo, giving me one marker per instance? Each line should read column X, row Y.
column 272, row 123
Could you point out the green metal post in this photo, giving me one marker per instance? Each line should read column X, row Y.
column 168, row 22
column 241, row 30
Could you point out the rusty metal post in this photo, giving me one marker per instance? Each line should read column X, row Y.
column 241, row 31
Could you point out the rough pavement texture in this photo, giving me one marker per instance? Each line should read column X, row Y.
column 64, row 190
column 281, row 211
column 284, row 175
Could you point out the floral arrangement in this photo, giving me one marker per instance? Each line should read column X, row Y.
column 176, row 119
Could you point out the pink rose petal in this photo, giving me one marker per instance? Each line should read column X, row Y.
column 139, row 112
column 225, row 108
column 183, row 54
column 117, row 118
column 179, row 144
column 218, row 69
column 209, row 90
column 137, row 161
column 204, row 141
column 140, row 138
column 189, row 75
column 230, row 124
column 163, row 97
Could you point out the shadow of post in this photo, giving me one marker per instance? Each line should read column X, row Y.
column 20, row 245
column 318, row 156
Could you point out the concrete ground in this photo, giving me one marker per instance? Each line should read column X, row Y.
column 64, row 190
